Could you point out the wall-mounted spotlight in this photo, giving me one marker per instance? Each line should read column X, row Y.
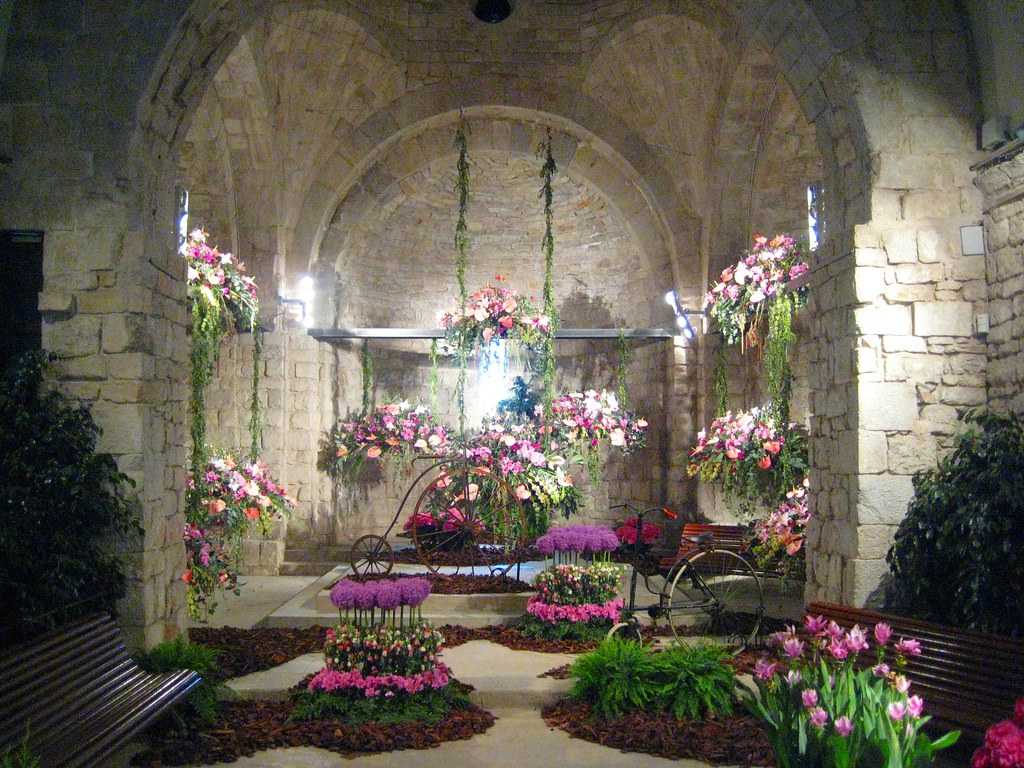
column 682, row 315
column 303, row 299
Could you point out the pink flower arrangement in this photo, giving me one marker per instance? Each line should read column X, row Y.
column 584, row 419
column 596, row 583
column 626, row 533
column 739, row 297
column 493, row 313
column 578, row 539
column 1004, row 743
column 584, row 612
column 219, row 281
column 330, row 680
column 784, row 528
column 392, row 429
column 754, row 457
column 383, row 649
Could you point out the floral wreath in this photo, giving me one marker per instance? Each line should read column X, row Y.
column 737, row 301
column 494, row 313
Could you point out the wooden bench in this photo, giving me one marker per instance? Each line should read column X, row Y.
column 731, row 537
column 79, row 695
column 968, row 680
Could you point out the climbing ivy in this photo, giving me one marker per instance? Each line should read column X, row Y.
column 547, row 173
column 367, row 370
column 462, row 260
column 780, row 339
column 720, row 383
column 255, row 410
column 207, row 332
column 625, row 356
column 433, row 376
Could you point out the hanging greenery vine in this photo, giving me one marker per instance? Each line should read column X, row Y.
column 547, row 173
column 778, row 372
column 207, row 332
column 462, row 259
column 434, row 378
column 720, row 383
column 255, row 410
column 367, row 371
column 625, row 357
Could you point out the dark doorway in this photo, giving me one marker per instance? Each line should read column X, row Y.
column 21, row 259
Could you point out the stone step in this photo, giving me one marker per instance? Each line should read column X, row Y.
column 338, row 553
column 301, row 568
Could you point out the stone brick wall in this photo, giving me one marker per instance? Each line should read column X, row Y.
column 1002, row 183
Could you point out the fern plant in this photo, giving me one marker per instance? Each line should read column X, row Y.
column 19, row 757
column 177, row 654
column 691, row 682
column 696, row 681
column 618, row 676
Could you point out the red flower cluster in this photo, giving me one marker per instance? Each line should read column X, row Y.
column 626, row 532
column 1004, row 743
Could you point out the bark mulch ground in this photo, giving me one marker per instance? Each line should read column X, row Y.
column 247, row 727
column 510, row 636
column 557, row 673
column 463, row 583
column 243, row 651
column 466, row 558
column 736, row 740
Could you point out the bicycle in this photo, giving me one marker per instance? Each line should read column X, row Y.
column 708, row 588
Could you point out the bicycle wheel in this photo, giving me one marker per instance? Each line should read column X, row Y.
column 627, row 630
column 371, row 556
column 714, row 592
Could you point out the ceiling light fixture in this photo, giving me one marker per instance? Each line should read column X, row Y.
column 492, row 11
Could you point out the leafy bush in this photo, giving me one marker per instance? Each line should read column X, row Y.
column 177, row 654
column 623, row 675
column 428, row 706
column 19, row 757
column 580, row 631
column 957, row 554
column 62, row 507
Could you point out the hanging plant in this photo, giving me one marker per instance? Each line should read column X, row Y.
column 367, row 376
column 581, row 421
column 434, row 377
column 738, row 302
column 233, row 497
column 223, row 299
column 625, row 358
column 780, row 339
column 492, row 314
column 392, row 430
column 720, row 384
column 461, row 261
column 547, row 173
column 754, row 458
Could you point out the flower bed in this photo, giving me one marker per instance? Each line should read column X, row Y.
column 574, row 602
column 573, row 540
column 822, row 708
column 736, row 302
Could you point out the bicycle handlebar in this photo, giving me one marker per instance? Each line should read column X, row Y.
column 669, row 513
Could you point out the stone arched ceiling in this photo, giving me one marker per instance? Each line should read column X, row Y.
column 500, row 137
column 396, row 263
column 662, row 75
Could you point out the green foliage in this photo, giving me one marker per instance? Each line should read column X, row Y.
column 521, row 407
column 957, row 554
column 720, row 383
column 65, row 508
column 780, row 340
column 461, row 261
column 207, row 331
column 547, row 173
column 255, row 411
column 434, row 378
column 177, row 654
column 623, row 675
column 429, row 706
column 20, row 756
column 579, row 631
column 367, row 371
column 625, row 357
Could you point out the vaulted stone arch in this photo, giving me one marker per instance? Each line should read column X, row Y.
column 604, row 135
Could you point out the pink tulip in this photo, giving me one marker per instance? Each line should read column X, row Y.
column 883, row 632
column 897, row 710
column 809, row 697
column 765, row 670
column 908, row 647
column 844, row 726
column 793, row 648
column 819, row 717
column 915, row 705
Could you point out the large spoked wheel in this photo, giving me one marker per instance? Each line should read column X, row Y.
column 469, row 519
column 371, row 556
column 627, row 630
column 714, row 592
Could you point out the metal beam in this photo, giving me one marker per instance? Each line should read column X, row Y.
column 338, row 334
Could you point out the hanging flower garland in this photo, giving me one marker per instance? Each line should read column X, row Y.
column 391, row 430
column 582, row 420
column 547, row 173
column 738, row 301
column 492, row 314
column 779, row 538
column 462, row 260
column 220, row 510
column 756, row 460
